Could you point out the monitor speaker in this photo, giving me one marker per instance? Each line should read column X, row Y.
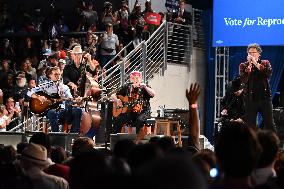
column 12, row 138
column 64, row 140
column 114, row 138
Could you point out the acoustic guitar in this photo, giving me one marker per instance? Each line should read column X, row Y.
column 52, row 101
column 128, row 105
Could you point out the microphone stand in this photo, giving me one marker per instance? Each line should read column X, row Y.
column 102, row 137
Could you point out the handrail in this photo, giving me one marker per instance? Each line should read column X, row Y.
column 151, row 56
column 157, row 30
column 122, row 50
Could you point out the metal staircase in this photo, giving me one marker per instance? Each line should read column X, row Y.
column 150, row 57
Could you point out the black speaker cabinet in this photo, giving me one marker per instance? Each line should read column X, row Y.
column 105, row 129
column 64, row 140
column 278, row 115
column 12, row 138
column 183, row 114
column 114, row 138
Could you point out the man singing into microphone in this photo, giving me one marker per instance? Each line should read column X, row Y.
column 66, row 112
column 255, row 74
column 132, row 103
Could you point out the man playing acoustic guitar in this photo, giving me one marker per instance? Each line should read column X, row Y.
column 56, row 114
column 132, row 103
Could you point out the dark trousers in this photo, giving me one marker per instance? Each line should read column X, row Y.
column 264, row 107
column 130, row 119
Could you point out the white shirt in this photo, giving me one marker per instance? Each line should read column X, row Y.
column 50, row 88
column 45, row 181
column 261, row 175
column 3, row 121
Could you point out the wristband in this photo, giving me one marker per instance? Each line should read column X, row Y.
column 193, row 106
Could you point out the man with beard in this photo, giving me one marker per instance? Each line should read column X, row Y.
column 136, row 97
column 20, row 89
column 74, row 74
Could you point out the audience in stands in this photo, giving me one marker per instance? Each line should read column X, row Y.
column 242, row 158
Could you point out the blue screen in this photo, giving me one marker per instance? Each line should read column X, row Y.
column 241, row 22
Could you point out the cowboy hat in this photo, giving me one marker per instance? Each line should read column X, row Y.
column 62, row 61
column 36, row 153
column 21, row 76
column 76, row 49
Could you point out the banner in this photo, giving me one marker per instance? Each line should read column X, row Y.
column 239, row 23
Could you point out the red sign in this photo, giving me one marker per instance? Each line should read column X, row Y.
column 152, row 18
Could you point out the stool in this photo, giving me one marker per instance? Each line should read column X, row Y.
column 167, row 123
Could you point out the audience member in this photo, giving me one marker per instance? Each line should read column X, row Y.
column 269, row 142
column 109, row 43
column 90, row 17
column 237, row 150
column 34, row 161
column 170, row 173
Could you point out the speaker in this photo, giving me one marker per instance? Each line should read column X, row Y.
column 114, row 138
column 203, row 142
column 63, row 139
column 12, row 138
column 105, row 129
column 278, row 115
column 183, row 114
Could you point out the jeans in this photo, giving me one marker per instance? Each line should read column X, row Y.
column 55, row 119
column 71, row 115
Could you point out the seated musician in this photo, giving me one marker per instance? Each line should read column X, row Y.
column 132, row 103
column 65, row 112
column 232, row 104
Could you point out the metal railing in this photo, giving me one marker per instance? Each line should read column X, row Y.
column 198, row 37
column 33, row 123
column 179, row 45
column 170, row 43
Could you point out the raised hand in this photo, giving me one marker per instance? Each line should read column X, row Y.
column 193, row 93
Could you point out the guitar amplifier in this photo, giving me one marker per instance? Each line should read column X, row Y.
column 182, row 114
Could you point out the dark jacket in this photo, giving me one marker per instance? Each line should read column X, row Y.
column 256, row 80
